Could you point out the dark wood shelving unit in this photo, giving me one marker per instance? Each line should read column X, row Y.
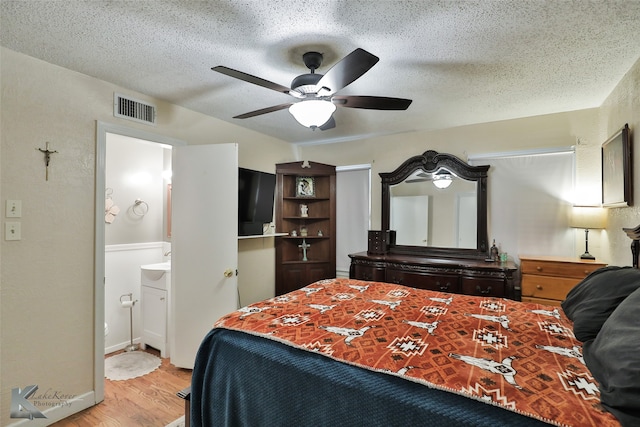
column 292, row 271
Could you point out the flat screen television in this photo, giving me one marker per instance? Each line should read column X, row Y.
column 255, row 201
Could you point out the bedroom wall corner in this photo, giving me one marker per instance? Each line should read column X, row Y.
column 623, row 106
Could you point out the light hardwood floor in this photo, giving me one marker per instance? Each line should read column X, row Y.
column 147, row 401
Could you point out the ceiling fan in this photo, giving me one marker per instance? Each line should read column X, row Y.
column 441, row 178
column 316, row 92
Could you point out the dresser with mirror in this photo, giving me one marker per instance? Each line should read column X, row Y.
column 434, row 231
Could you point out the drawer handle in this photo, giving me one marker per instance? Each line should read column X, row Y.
column 443, row 288
column 483, row 292
column 539, row 287
column 539, row 268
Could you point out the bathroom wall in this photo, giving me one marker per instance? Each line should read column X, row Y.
column 122, row 276
column 133, row 171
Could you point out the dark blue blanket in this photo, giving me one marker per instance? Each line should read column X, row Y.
column 243, row 380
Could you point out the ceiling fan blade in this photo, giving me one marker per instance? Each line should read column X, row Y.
column 330, row 124
column 372, row 102
column 346, row 71
column 263, row 111
column 251, row 79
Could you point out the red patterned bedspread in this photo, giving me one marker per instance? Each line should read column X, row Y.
column 520, row 356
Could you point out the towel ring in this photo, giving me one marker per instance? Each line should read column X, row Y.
column 140, row 207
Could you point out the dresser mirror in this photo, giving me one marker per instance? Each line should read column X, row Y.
column 437, row 205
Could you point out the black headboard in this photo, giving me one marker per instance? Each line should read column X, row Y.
column 634, row 235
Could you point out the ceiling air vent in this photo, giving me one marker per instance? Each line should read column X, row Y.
column 133, row 109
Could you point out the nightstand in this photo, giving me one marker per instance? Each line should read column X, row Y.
column 547, row 279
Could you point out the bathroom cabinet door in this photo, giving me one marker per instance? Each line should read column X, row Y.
column 204, row 244
column 154, row 318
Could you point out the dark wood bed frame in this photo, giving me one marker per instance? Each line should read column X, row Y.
column 634, row 235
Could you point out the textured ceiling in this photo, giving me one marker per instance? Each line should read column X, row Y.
column 461, row 62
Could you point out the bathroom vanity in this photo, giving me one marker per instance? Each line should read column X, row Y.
column 155, row 294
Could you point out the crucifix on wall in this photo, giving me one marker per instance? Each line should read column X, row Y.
column 47, row 158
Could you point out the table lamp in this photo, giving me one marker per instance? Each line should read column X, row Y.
column 588, row 217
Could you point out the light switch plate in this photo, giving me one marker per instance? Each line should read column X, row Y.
column 13, row 209
column 12, row 230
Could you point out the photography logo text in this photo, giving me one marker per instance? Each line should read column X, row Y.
column 25, row 402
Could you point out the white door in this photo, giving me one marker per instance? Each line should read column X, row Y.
column 410, row 219
column 204, row 244
column 467, row 230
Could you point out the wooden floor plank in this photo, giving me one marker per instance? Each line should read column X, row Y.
column 147, row 401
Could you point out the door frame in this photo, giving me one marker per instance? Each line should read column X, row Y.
column 99, row 265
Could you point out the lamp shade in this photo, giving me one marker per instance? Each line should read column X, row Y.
column 442, row 181
column 588, row 217
column 313, row 112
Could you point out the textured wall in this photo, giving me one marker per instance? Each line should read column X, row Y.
column 47, row 278
column 533, row 133
column 623, row 106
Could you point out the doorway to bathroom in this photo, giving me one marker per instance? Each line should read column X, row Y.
column 130, row 230
column 203, row 294
column 137, row 178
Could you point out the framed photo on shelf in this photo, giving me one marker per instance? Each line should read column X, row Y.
column 305, row 186
column 617, row 184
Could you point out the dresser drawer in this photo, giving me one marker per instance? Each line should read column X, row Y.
column 432, row 282
column 547, row 287
column 560, row 269
column 483, row 287
column 365, row 272
column 542, row 301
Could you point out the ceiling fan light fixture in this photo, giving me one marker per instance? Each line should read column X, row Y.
column 312, row 112
column 442, row 180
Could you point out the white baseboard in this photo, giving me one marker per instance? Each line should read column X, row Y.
column 342, row 273
column 120, row 346
column 57, row 413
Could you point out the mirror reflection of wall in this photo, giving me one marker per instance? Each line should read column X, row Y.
column 424, row 215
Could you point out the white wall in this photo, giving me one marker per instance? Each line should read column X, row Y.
column 47, row 278
column 621, row 106
column 134, row 172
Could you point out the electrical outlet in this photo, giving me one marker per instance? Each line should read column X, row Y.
column 12, row 230
column 13, row 209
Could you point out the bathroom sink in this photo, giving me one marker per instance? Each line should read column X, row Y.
column 160, row 266
column 154, row 272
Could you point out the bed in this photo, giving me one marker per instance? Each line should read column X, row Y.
column 345, row 352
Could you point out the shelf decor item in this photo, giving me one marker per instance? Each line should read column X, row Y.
column 617, row 184
column 304, row 246
column 305, row 186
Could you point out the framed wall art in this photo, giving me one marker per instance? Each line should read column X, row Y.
column 617, row 170
column 305, row 186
